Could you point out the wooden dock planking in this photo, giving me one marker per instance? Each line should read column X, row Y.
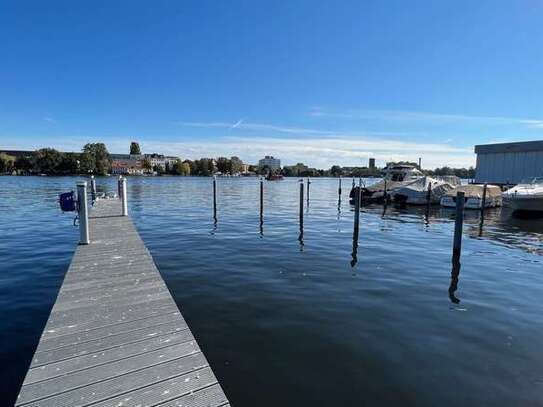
column 115, row 336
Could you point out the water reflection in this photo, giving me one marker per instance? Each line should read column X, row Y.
column 455, row 273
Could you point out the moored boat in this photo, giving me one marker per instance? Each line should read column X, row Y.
column 422, row 191
column 473, row 196
column 526, row 196
column 274, row 177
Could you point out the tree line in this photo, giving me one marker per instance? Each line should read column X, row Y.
column 93, row 159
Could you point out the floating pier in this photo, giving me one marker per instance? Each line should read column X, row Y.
column 115, row 336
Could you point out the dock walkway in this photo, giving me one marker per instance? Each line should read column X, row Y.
column 115, row 336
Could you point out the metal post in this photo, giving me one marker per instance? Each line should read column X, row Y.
column 93, row 189
column 124, row 199
column 83, row 214
column 119, row 186
column 458, row 224
column 214, row 197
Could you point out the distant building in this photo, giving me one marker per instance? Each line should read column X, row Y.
column 270, row 162
column 244, row 168
column 159, row 160
column 372, row 164
column 128, row 166
column 509, row 163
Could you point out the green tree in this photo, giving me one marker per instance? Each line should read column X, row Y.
column 95, row 159
column 185, row 168
column 7, row 163
column 69, row 163
column 223, row 165
column 335, row 171
column 135, row 148
column 23, row 163
column 236, row 165
column 47, row 161
column 147, row 165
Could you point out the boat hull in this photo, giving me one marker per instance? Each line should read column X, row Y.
column 524, row 203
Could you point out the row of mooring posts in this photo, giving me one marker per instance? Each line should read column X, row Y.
column 82, row 205
column 357, row 200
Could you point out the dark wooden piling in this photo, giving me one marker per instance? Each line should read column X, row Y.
column 357, row 199
column 301, row 203
column 458, row 224
column 483, row 201
column 215, row 198
column 429, row 195
column 308, row 182
column 339, row 188
column 261, row 205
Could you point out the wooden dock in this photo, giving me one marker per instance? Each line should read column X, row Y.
column 115, row 336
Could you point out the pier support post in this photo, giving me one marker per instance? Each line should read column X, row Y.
column 83, row 213
column 119, row 186
column 261, row 200
column 215, row 198
column 124, row 197
column 339, row 188
column 458, row 225
column 308, row 182
column 357, row 199
column 483, row 201
column 301, row 203
column 93, row 189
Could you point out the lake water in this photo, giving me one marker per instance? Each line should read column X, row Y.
column 296, row 320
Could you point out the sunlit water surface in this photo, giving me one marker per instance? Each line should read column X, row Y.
column 301, row 319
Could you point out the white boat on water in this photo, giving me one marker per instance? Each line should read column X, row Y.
column 395, row 176
column 421, row 190
column 473, row 196
column 526, row 196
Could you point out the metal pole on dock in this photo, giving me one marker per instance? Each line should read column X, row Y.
column 458, row 225
column 119, row 186
column 93, row 189
column 215, row 197
column 124, row 197
column 83, row 213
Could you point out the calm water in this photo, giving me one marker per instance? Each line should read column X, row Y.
column 298, row 320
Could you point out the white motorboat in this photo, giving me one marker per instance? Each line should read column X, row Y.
column 395, row 176
column 526, row 196
column 473, row 196
column 422, row 190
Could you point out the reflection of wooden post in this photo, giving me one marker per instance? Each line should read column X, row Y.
column 483, row 201
column 458, row 225
column 214, row 197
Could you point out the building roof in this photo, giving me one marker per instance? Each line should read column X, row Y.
column 519, row 147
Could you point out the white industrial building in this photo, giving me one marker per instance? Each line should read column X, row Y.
column 270, row 162
column 509, row 163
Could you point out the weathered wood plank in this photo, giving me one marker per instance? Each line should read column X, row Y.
column 115, row 336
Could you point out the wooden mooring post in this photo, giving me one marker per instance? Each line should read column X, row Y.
column 483, row 205
column 339, row 188
column 301, row 203
column 308, row 182
column 458, row 225
column 261, row 203
column 357, row 199
column 215, row 198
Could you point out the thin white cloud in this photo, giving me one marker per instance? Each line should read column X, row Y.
column 49, row 119
column 425, row 117
column 237, row 124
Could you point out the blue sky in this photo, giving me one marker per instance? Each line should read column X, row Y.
column 318, row 82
